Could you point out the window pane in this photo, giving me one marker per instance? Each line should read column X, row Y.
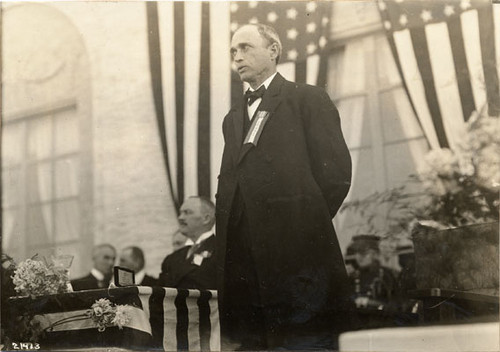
column 11, row 187
column 39, row 138
column 39, row 185
column 66, row 180
column 66, row 132
column 39, row 226
column 398, row 120
column 12, row 144
column 11, row 240
column 67, row 220
column 355, row 125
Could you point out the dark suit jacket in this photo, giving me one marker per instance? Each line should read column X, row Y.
column 178, row 272
column 88, row 282
column 148, row 281
column 292, row 185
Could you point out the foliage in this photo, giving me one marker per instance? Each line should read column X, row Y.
column 452, row 187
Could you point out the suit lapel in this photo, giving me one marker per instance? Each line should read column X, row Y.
column 270, row 102
column 185, row 266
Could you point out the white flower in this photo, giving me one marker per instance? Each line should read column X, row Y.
column 122, row 316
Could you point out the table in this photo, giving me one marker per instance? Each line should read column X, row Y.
column 480, row 337
column 449, row 306
column 161, row 318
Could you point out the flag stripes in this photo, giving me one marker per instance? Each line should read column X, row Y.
column 179, row 69
column 490, row 65
column 461, row 69
column 189, row 49
column 204, row 105
column 447, row 54
column 204, row 320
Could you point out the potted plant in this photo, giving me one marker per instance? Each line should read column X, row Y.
column 451, row 209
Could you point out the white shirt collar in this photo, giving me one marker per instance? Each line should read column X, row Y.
column 139, row 276
column 97, row 274
column 266, row 83
column 204, row 236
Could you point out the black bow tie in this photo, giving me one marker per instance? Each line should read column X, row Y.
column 252, row 96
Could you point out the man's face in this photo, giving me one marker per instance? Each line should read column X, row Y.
column 252, row 55
column 366, row 258
column 104, row 259
column 192, row 222
column 127, row 260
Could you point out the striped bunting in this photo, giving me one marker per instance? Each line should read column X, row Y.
column 194, row 86
column 448, row 55
column 178, row 320
column 189, row 319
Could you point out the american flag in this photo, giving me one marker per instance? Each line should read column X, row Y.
column 448, row 54
column 194, row 86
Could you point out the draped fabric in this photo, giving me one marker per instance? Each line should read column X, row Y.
column 193, row 84
column 448, row 54
column 165, row 318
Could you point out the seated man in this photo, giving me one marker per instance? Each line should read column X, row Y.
column 374, row 284
column 193, row 266
column 132, row 258
column 103, row 257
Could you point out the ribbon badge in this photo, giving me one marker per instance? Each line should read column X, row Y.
column 256, row 128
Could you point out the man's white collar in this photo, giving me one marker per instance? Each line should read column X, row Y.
column 266, row 83
column 97, row 274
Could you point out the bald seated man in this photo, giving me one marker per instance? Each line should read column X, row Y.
column 132, row 258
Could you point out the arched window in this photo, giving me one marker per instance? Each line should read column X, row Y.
column 46, row 135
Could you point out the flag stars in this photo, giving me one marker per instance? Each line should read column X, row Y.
column 465, row 4
column 291, row 13
column 426, row 15
column 387, row 25
column 322, row 42
column 292, row 34
column 252, row 4
column 382, row 6
column 311, row 27
column 324, row 21
column 311, row 6
column 449, row 10
column 292, row 55
column 311, row 48
column 234, row 7
column 234, row 26
column 253, row 20
column 403, row 20
column 272, row 17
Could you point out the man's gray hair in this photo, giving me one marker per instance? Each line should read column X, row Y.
column 102, row 245
column 270, row 34
column 207, row 207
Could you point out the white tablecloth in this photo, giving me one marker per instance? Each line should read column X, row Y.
column 480, row 337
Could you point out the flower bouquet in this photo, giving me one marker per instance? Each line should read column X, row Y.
column 35, row 277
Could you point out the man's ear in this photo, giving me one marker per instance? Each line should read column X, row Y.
column 273, row 48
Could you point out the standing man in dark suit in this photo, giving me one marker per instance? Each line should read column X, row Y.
column 193, row 266
column 133, row 258
column 285, row 172
column 103, row 257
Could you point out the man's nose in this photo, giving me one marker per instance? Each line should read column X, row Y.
column 237, row 56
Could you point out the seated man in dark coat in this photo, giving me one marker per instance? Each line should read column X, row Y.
column 193, row 266
column 373, row 283
column 133, row 258
column 103, row 257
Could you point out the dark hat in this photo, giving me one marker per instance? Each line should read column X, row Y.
column 362, row 243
